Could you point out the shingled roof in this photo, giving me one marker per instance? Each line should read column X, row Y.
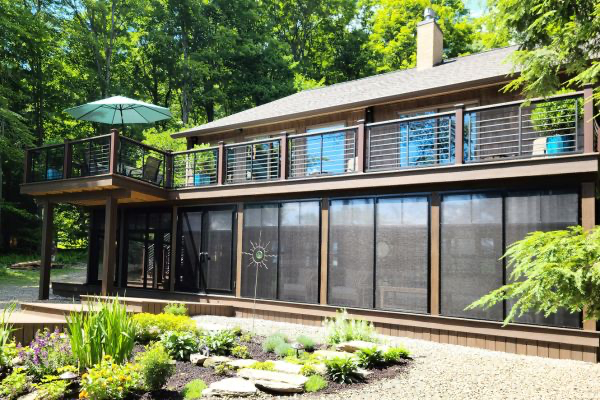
column 476, row 68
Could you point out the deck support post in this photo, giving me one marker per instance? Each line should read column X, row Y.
column 110, row 246
column 459, row 134
column 588, row 119
column 174, row 251
column 588, row 221
column 46, row 256
column 434, row 280
column 324, row 250
column 238, row 249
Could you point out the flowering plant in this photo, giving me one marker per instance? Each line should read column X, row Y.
column 48, row 352
column 109, row 380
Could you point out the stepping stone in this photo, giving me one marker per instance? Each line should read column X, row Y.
column 29, row 396
column 355, row 345
column 278, row 387
column 328, row 354
column 239, row 364
column 212, row 362
column 271, row 376
column 230, row 387
column 68, row 376
column 287, row 367
column 198, row 358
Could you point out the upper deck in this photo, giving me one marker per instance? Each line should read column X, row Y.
column 554, row 136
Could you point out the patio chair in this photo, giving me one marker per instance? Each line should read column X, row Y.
column 150, row 171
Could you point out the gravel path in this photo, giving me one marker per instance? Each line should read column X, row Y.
column 444, row 371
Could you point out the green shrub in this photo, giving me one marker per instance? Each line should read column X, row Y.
column 394, row 355
column 264, row 366
column 284, row 349
column 151, row 326
column 193, row 390
column 343, row 370
column 6, row 330
column 223, row 369
column 341, row 329
column 273, row 341
column 51, row 387
column 370, row 358
column 176, row 309
column 246, row 337
column 240, row 352
column 180, row 344
column 156, row 366
column 106, row 329
column 109, row 380
column 219, row 343
column 14, row 385
column 315, row 383
column 308, row 343
column 236, row 330
column 308, row 369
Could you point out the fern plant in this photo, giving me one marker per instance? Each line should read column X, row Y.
column 341, row 329
column 343, row 370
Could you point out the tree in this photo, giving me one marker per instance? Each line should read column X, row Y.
column 556, row 38
column 550, row 271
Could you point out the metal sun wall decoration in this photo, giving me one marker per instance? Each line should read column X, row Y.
column 258, row 253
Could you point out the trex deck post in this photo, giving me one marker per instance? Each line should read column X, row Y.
column 283, row 156
column 46, row 256
column 434, row 281
column 110, row 246
column 459, row 134
column 27, row 167
column 324, row 250
column 67, row 159
column 360, row 146
column 114, row 151
column 221, row 165
column 239, row 249
column 173, row 260
column 588, row 119
column 588, row 221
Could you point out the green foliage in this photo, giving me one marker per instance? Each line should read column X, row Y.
column 106, row 329
column 109, row 380
column 308, row 343
column 223, row 369
column 550, row 271
column 370, row 358
column 51, row 387
column 48, row 353
column 246, row 337
column 284, row 349
column 176, row 309
column 219, row 343
column 156, row 366
column 264, row 365
column 273, row 341
column 193, row 390
column 315, row 383
column 151, row 326
column 555, row 117
column 6, row 330
column 308, row 370
column 240, row 351
column 341, row 329
column 14, row 385
column 180, row 344
column 343, row 370
column 395, row 355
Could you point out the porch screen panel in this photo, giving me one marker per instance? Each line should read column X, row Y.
column 471, row 246
column 402, row 254
column 351, row 253
column 260, row 235
column 299, row 251
column 219, row 242
column 541, row 211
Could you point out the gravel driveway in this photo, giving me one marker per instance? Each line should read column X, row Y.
column 444, row 371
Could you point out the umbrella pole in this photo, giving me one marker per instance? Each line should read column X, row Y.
column 122, row 122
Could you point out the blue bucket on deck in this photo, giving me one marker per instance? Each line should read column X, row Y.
column 201, row 179
column 560, row 144
column 52, row 174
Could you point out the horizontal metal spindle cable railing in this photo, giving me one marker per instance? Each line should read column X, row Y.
column 46, row 163
column 142, row 162
column 411, row 142
column 252, row 161
column 90, row 156
column 195, row 167
column 524, row 129
column 322, row 153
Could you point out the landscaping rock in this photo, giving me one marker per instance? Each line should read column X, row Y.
column 328, row 354
column 198, row 359
column 355, row 345
column 212, row 362
column 29, row 396
column 363, row 373
column 320, row 368
column 230, row 387
column 68, row 376
column 239, row 364
column 260, row 375
column 278, row 387
column 287, row 367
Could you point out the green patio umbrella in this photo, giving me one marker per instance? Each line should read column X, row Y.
column 119, row 110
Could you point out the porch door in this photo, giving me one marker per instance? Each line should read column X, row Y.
column 206, row 260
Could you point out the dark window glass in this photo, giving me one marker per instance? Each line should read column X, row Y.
column 259, row 254
column 541, row 211
column 218, row 248
column 402, row 258
column 351, row 253
column 299, row 252
column 471, row 247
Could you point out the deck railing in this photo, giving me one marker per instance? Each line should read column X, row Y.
column 538, row 128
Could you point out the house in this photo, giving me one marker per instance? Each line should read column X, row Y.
column 393, row 196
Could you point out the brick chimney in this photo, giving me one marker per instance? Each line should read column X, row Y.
column 430, row 41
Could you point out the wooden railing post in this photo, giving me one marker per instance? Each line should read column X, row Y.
column 459, row 134
column 114, row 151
column 588, row 119
column 68, row 156
column 360, row 146
column 221, row 164
column 27, row 167
column 169, row 169
column 283, row 156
